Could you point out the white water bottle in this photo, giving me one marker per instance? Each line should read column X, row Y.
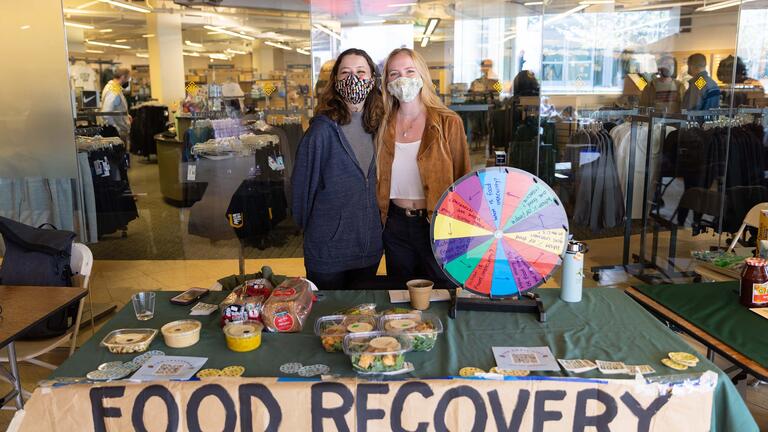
column 573, row 271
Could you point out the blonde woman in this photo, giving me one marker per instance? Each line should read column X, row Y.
column 422, row 149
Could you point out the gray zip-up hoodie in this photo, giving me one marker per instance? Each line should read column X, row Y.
column 334, row 202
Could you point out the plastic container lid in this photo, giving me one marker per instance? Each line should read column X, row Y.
column 375, row 343
column 181, row 328
column 332, row 325
column 411, row 324
column 244, row 330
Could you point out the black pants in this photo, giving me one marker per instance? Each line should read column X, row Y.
column 408, row 249
column 344, row 280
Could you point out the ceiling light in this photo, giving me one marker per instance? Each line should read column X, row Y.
column 89, row 4
column 234, row 51
column 424, row 41
column 218, row 56
column 534, row 3
column 126, row 6
column 327, row 31
column 150, row 35
column 191, row 54
column 509, row 38
column 25, row 27
column 278, row 45
column 229, row 32
column 301, row 51
column 94, row 51
column 105, row 31
column 722, row 5
column 120, row 40
column 378, row 21
column 142, row 55
column 567, row 13
column 431, row 26
column 402, row 4
column 664, row 6
column 597, row 2
column 193, row 44
column 76, row 11
column 107, row 44
column 78, row 25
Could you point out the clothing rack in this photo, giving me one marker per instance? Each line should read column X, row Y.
column 641, row 264
column 635, row 119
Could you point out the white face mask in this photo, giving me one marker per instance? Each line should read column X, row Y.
column 405, row 89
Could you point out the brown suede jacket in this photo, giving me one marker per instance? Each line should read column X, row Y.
column 443, row 158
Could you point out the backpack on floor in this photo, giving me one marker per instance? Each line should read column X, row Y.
column 39, row 257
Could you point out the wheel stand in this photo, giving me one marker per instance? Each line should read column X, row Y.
column 527, row 303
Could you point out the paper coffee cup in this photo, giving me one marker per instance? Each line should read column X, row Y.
column 420, row 291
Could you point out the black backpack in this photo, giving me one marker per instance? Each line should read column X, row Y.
column 40, row 257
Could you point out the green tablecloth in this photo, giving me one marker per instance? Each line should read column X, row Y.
column 606, row 325
column 715, row 308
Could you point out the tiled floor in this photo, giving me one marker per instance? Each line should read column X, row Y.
column 115, row 281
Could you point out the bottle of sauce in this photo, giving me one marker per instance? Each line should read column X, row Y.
column 754, row 283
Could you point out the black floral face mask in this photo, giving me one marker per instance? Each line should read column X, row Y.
column 354, row 89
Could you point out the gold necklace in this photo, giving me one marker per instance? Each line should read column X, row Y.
column 405, row 131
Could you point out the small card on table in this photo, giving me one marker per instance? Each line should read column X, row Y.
column 611, row 367
column 577, row 365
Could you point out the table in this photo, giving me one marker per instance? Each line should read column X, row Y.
column 606, row 325
column 23, row 308
column 711, row 314
column 715, row 273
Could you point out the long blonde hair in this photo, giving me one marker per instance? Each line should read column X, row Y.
column 428, row 96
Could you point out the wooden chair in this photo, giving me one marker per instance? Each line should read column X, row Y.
column 28, row 351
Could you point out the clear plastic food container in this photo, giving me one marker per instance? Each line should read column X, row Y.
column 333, row 328
column 243, row 337
column 127, row 341
column 182, row 333
column 376, row 352
column 420, row 328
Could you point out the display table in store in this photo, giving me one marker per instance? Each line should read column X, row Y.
column 711, row 313
column 606, row 325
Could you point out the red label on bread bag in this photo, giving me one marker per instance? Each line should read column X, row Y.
column 283, row 321
column 287, row 292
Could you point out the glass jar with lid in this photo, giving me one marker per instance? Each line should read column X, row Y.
column 754, row 283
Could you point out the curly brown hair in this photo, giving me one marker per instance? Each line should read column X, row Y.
column 332, row 105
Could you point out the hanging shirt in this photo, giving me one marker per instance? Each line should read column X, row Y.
column 83, row 76
column 406, row 178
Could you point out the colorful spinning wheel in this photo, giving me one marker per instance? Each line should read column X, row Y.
column 499, row 231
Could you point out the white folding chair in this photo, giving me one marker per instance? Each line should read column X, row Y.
column 752, row 219
column 28, row 351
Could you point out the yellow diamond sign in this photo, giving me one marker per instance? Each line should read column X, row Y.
column 497, row 86
column 191, row 88
column 700, row 83
column 269, row 88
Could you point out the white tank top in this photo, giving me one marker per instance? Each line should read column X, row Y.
column 406, row 179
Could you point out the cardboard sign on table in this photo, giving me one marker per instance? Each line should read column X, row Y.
column 269, row 404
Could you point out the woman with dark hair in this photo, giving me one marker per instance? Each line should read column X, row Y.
column 334, row 179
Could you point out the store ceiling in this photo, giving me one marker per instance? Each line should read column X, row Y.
column 288, row 21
